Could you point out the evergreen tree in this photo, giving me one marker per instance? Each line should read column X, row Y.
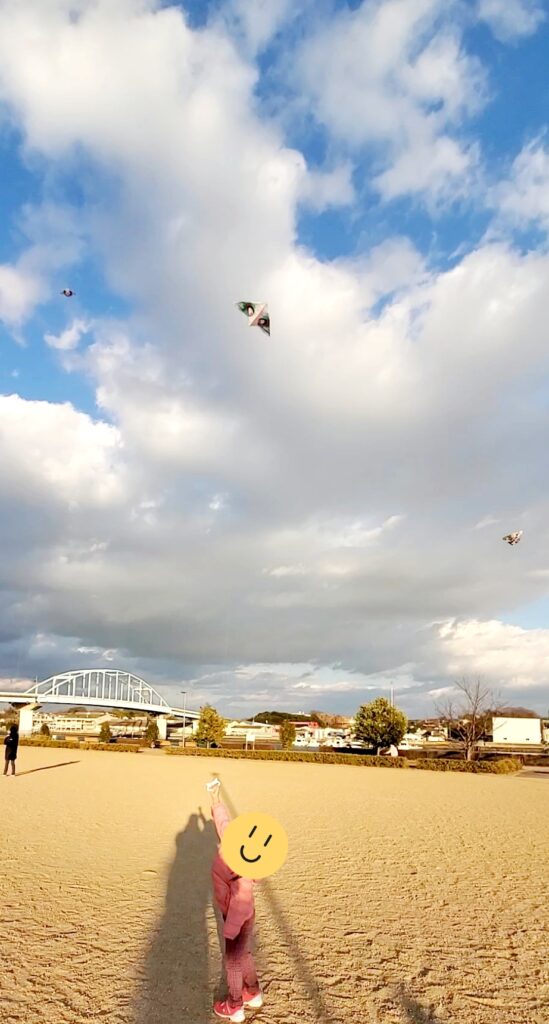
column 379, row 724
column 287, row 735
column 211, row 725
column 105, row 734
column 151, row 732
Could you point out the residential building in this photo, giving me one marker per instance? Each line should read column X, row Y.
column 251, row 730
column 87, row 723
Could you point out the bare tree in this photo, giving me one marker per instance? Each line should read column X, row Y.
column 471, row 718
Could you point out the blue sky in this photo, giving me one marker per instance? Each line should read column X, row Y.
column 515, row 112
column 389, row 162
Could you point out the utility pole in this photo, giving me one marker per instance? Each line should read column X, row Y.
column 184, row 692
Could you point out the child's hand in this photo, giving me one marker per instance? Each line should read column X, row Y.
column 213, row 788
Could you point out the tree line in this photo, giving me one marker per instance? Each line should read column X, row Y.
column 379, row 724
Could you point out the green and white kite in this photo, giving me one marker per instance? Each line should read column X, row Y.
column 257, row 313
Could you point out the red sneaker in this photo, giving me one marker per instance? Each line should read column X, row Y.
column 223, row 1008
column 252, row 999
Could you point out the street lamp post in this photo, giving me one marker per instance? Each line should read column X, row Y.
column 184, row 692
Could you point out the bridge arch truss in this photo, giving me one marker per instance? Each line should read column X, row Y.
column 100, row 687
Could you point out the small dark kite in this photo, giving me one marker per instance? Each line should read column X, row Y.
column 513, row 538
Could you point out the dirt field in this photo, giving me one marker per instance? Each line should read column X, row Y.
column 407, row 896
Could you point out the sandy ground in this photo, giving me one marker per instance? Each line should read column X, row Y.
column 407, row 896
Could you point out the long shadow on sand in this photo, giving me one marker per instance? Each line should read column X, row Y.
column 175, row 987
column 45, row 768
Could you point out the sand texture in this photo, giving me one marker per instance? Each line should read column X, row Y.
column 407, row 896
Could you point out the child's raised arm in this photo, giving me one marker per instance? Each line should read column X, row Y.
column 220, row 813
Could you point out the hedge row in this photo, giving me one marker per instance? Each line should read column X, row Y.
column 44, row 741
column 483, row 755
column 288, row 755
column 501, row 767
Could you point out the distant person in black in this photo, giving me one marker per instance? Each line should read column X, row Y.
column 11, row 743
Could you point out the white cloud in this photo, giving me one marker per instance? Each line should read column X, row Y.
column 259, row 22
column 288, row 570
column 486, row 521
column 392, row 267
column 54, row 244
column 108, row 655
column 54, row 453
column 498, row 652
column 218, row 502
column 322, row 190
column 524, row 198
column 324, row 436
column 11, row 685
column 511, row 19
column 387, row 75
column 69, row 339
column 20, row 292
column 439, row 167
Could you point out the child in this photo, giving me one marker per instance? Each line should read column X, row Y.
column 11, row 743
column 234, row 897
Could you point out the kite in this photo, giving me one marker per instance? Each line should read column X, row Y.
column 513, row 538
column 67, row 293
column 257, row 313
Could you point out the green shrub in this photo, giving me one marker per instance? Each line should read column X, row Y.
column 105, row 733
column 45, row 729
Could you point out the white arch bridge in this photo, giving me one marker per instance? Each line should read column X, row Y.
column 95, row 688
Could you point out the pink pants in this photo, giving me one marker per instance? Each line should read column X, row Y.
column 239, row 963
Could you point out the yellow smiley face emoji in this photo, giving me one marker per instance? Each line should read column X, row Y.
column 254, row 845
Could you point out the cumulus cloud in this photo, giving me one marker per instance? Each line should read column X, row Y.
column 303, row 500
column 497, row 652
column 388, row 75
column 55, row 453
column 511, row 19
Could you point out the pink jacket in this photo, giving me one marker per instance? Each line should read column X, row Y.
column 233, row 894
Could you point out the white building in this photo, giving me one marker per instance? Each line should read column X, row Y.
column 252, row 730
column 88, row 723
column 412, row 741
column 307, row 737
column 518, row 730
